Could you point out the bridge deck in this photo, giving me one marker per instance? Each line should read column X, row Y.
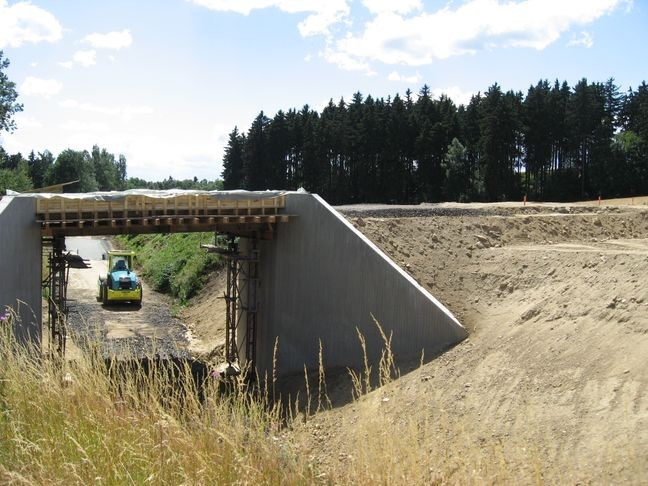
column 240, row 213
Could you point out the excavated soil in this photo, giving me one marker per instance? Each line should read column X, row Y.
column 553, row 376
column 551, row 385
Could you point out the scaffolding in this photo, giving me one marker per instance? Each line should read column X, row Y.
column 241, row 299
column 56, row 287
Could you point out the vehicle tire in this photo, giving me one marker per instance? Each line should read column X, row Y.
column 104, row 294
column 139, row 302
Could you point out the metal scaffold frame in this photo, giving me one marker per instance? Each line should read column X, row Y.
column 56, row 285
column 241, row 301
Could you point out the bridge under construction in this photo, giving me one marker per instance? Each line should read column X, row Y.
column 298, row 273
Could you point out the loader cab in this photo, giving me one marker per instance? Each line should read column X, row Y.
column 120, row 262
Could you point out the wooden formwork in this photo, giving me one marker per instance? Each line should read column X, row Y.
column 149, row 214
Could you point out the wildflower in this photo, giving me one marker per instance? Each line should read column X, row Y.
column 215, row 374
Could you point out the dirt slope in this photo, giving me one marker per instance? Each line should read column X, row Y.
column 205, row 317
column 552, row 383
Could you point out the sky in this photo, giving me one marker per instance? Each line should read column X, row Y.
column 164, row 82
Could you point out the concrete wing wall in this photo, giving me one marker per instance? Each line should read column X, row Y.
column 20, row 265
column 321, row 278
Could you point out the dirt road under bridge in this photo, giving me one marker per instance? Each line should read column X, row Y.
column 120, row 329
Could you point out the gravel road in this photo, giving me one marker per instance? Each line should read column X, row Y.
column 120, row 330
column 471, row 210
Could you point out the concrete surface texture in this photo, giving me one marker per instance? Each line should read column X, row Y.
column 320, row 279
column 20, row 266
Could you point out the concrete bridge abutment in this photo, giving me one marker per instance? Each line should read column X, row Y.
column 321, row 280
column 318, row 279
column 20, row 267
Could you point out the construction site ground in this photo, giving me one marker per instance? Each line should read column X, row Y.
column 121, row 329
column 551, row 385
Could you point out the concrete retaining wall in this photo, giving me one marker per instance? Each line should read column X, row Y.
column 20, row 265
column 321, row 278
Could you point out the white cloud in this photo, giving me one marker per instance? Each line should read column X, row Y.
column 400, row 6
column 421, row 39
column 322, row 14
column 24, row 121
column 346, row 61
column 85, row 58
column 23, row 22
column 46, row 88
column 584, row 39
column 455, row 93
column 413, row 79
column 84, row 126
column 110, row 40
column 126, row 112
column 88, row 57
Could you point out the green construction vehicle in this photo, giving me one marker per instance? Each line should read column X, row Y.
column 120, row 284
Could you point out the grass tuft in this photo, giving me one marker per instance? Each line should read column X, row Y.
column 87, row 422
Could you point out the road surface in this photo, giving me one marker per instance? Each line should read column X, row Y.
column 122, row 330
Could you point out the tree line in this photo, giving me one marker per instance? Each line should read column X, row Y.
column 557, row 142
column 95, row 170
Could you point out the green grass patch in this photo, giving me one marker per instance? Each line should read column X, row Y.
column 173, row 263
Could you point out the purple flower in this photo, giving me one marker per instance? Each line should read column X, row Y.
column 215, row 374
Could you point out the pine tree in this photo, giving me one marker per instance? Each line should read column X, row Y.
column 38, row 166
column 233, row 174
column 256, row 160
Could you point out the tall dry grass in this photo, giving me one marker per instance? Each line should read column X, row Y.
column 89, row 423
column 83, row 424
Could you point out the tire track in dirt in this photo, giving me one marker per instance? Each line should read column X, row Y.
column 120, row 329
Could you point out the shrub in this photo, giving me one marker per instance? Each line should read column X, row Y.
column 173, row 263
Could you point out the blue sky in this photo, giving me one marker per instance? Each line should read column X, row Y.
column 164, row 82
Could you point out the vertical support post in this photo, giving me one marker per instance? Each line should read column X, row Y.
column 252, row 275
column 241, row 302
column 57, row 299
column 231, row 299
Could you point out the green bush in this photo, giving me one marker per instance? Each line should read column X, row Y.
column 173, row 263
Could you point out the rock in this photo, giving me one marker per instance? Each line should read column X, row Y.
column 361, row 222
column 529, row 314
column 483, row 241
